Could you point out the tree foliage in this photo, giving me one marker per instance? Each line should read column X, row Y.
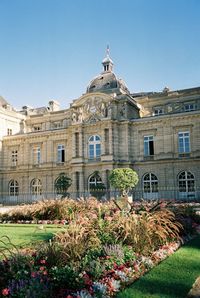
column 123, row 179
column 62, row 184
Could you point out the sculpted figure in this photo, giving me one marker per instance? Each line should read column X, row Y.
column 74, row 117
column 80, row 115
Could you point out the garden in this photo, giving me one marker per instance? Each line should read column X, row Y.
column 87, row 248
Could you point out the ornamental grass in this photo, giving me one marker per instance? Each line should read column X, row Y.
column 99, row 249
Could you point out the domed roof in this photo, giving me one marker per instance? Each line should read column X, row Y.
column 106, row 81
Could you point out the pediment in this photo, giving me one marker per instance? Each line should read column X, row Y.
column 92, row 99
column 88, row 105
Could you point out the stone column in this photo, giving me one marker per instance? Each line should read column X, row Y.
column 81, row 182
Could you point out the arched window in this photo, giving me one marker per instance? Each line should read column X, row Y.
column 61, row 185
column 150, row 186
column 95, row 186
column 94, row 147
column 13, row 188
column 36, row 187
column 186, row 184
column 94, row 180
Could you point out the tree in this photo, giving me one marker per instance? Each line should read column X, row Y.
column 62, row 184
column 123, row 179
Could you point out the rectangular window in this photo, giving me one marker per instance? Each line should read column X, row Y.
column 184, row 142
column 58, row 125
column 36, row 155
column 148, row 146
column 189, row 107
column 61, row 153
column 158, row 112
column 77, row 143
column 106, row 131
column 14, row 157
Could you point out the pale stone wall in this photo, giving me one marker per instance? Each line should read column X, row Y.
column 125, row 147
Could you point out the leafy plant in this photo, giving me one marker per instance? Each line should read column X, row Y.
column 66, row 277
column 123, row 179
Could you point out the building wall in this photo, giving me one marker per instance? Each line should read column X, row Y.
column 122, row 143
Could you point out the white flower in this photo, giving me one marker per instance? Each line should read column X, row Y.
column 122, row 275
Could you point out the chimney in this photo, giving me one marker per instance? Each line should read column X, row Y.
column 54, row 106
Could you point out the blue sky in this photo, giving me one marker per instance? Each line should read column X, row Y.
column 51, row 49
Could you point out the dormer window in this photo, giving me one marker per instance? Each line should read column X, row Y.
column 189, row 107
column 158, row 111
column 37, row 128
column 9, row 131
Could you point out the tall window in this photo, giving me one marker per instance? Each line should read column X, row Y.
column 150, row 183
column 148, row 146
column 94, row 147
column 14, row 157
column 186, row 182
column 61, row 153
column 36, row 155
column 13, row 188
column 36, row 187
column 184, row 142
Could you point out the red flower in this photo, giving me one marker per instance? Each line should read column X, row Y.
column 42, row 261
column 5, row 292
column 45, row 272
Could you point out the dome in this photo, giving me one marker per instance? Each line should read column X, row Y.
column 106, row 81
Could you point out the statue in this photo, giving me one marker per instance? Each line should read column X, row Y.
column 74, row 117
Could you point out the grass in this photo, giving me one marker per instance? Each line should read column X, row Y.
column 173, row 278
column 22, row 235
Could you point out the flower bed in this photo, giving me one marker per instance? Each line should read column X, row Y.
column 99, row 251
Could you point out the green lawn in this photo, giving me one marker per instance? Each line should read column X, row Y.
column 21, row 235
column 173, row 278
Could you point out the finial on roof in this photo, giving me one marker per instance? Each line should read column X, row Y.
column 107, row 61
column 108, row 51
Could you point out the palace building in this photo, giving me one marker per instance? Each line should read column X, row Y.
column 155, row 133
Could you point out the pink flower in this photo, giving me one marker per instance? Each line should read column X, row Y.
column 33, row 274
column 42, row 261
column 42, row 268
column 5, row 292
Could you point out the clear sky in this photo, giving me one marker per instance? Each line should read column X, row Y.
column 51, row 49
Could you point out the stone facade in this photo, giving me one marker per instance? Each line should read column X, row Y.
column 155, row 133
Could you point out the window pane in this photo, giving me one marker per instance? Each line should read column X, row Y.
column 98, row 150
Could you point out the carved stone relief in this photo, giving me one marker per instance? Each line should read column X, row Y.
column 94, row 106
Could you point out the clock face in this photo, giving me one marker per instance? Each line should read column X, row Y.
column 93, row 109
